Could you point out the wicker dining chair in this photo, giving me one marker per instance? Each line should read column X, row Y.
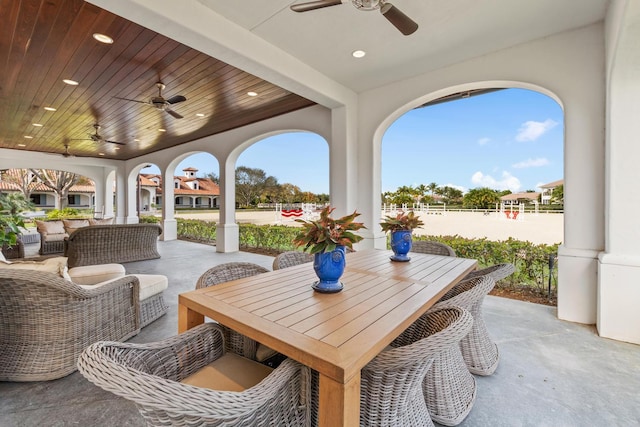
column 291, row 258
column 497, row 271
column 188, row 379
column 236, row 342
column 449, row 389
column 431, row 247
column 479, row 351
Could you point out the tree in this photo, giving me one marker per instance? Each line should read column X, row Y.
column 252, row 183
column 58, row 181
column 432, row 187
column 450, row 194
column 213, row 177
column 22, row 178
column 481, row 198
column 557, row 195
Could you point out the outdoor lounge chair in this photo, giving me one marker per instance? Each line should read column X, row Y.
column 188, row 379
column 236, row 342
column 48, row 321
column 479, row 351
column 291, row 258
column 431, row 247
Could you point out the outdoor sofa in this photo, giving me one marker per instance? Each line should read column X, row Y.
column 103, row 244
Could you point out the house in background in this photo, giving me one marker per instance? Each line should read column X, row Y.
column 518, row 198
column 547, row 190
column 189, row 191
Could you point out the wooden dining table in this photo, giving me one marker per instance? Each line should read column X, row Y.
column 334, row 334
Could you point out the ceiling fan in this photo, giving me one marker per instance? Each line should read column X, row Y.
column 96, row 137
column 399, row 20
column 161, row 103
column 66, row 151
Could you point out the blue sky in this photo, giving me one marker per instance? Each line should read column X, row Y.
column 510, row 139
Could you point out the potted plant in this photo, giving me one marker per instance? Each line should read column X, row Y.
column 401, row 227
column 327, row 238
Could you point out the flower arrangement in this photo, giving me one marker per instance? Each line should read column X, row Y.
column 326, row 233
column 402, row 221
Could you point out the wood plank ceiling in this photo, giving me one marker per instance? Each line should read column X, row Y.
column 43, row 42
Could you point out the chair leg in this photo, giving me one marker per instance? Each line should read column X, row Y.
column 479, row 351
column 449, row 389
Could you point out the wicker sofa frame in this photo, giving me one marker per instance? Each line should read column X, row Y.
column 104, row 244
column 48, row 321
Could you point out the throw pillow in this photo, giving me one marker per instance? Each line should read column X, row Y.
column 104, row 221
column 71, row 225
column 50, row 227
column 55, row 265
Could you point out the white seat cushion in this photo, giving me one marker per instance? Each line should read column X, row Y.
column 151, row 284
column 94, row 274
column 230, row 372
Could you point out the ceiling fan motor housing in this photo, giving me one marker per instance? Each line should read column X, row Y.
column 367, row 4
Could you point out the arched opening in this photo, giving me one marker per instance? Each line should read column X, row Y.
column 461, row 156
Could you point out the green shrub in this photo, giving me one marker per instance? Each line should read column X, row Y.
column 67, row 213
column 531, row 260
column 149, row 219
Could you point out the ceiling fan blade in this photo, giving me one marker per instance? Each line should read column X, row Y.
column 173, row 113
column 313, row 5
column 176, row 99
column 399, row 20
column 114, row 142
column 132, row 100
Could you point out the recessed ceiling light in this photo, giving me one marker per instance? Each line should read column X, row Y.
column 102, row 38
column 22, row 145
column 49, row 108
column 100, row 154
column 136, row 140
column 38, row 125
column 252, row 93
column 28, row 136
column 358, row 53
column 162, row 130
column 70, row 82
column 199, row 115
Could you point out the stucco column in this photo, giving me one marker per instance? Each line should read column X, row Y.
column 169, row 223
column 343, row 164
column 619, row 264
column 131, row 186
column 121, row 196
column 227, row 231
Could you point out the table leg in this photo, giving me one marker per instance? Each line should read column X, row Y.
column 339, row 403
column 188, row 318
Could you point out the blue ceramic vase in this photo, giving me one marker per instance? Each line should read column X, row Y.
column 329, row 267
column 400, row 245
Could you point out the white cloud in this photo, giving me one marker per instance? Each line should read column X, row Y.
column 483, row 141
column 508, row 181
column 459, row 187
column 531, row 163
column 531, row 130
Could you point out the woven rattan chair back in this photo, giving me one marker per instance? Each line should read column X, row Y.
column 433, row 248
column 291, row 258
column 235, row 342
column 498, row 271
column 478, row 349
column 150, row 375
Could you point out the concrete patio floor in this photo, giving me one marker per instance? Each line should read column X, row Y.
column 551, row 373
